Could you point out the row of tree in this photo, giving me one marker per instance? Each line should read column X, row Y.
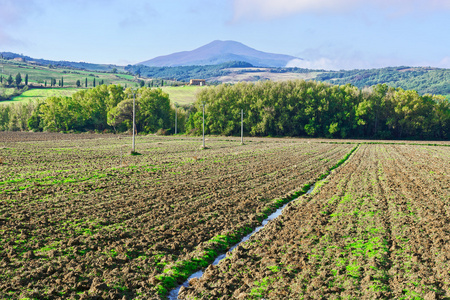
column 309, row 108
column 17, row 81
column 10, row 81
column 292, row 108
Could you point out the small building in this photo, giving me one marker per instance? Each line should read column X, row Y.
column 19, row 59
column 200, row 82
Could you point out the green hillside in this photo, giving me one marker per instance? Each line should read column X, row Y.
column 423, row 80
column 41, row 94
column 39, row 74
column 64, row 63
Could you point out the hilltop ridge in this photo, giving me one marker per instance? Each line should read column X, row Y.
column 218, row 52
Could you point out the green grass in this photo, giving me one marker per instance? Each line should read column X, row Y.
column 182, row 94
column 125, row 76
column 41, row 94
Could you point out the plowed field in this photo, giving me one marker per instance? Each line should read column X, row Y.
column 377, row 228
column 80, row 218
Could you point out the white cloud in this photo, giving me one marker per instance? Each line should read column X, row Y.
column 445, row 62
column 269, row 9
column 325, row 63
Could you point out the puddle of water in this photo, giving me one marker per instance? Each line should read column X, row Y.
column 173, row 295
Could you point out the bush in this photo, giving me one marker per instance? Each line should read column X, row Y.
column 162, row 131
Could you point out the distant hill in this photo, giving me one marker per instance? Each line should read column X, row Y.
column 422, row 79
column 63, row 63
column 218, row 52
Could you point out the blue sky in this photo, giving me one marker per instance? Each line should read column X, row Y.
column 330, row 34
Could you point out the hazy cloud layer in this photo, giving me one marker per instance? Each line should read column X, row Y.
column 12, row 13
column 268, row 9
column 349, row 63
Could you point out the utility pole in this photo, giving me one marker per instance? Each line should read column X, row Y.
column 176, row 118
column 203, row 124
column 134, row 123
column 242, row 127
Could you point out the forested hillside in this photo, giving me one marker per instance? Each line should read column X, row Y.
column 423, row 80
column 185, row 73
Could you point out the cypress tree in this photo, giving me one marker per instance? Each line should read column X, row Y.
column 10, row 80
column 85, row 84
column 18, row 79
column 93, row 82
column 62, row 81
column 26, row 79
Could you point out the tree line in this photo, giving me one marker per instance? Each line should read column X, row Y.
column 290, row 108
column 317, row 109
column 17, row 81
column 103, row 108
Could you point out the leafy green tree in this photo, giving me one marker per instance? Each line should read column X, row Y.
column 123, row 112
column 440, row 127
column 61, row 113
column 78, row 83
column 155, row 110
column 116, row 95
column 34, row 122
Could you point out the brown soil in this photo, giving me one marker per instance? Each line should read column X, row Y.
column 378, row 229
column 82, row 219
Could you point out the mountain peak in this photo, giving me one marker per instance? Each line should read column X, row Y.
column 218, row 52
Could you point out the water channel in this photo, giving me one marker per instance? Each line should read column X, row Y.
column 173, row 295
